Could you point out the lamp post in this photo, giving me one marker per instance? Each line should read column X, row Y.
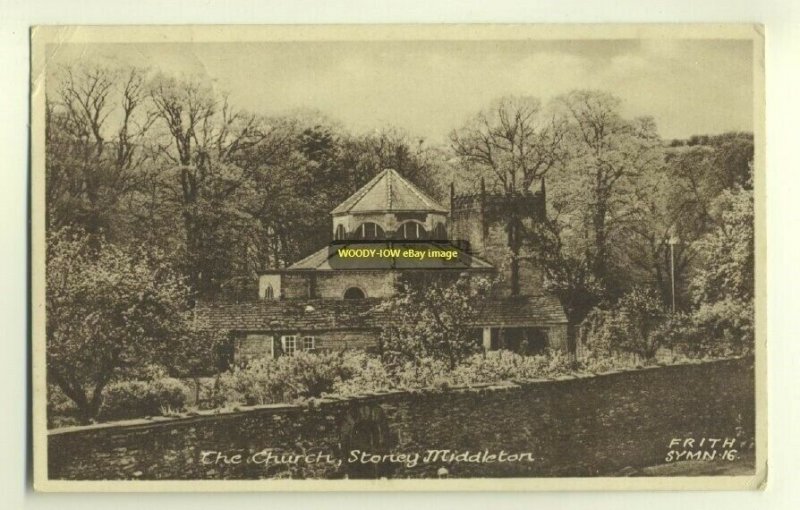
column 672, row 241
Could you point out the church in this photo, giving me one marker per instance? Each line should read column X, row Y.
column 325, row 302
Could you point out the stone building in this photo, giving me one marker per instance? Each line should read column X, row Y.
column 324, row 302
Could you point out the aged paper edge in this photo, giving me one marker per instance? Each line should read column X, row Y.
column 41, row 36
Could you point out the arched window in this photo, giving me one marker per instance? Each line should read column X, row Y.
column 412, row 230
column 269, row 293
column 439, row 232
column 340, row 233
column 369, row 231
column 354, row 293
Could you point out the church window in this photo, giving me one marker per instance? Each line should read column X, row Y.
column 369, row 231
column 340, row 233
column 411, row 230
column 440, row 232
column 269, row 293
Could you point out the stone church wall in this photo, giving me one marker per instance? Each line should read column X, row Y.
column 374, row 284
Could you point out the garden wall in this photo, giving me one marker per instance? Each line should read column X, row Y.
column 575, row 426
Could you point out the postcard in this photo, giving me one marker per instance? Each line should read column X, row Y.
column 398, row 257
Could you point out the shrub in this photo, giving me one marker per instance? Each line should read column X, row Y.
column 287, row 378
column 425, row 372
column 61, row 410
column 718, row 329
column 504, row 365
column 628, row 327
column 136, row 399
column 58, row 402
column 368, row 374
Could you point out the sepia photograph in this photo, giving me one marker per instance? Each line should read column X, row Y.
column 398, row 257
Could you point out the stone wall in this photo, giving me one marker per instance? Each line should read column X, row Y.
column 575, row 426
column 375, row 284
column 265, row 345
column 294, row 286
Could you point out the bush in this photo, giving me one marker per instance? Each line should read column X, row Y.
column 495, row 366
column 718, row 329
column 425, row 372
column 287, row 378
column 368, row 374
column 61, row 410
column 136, row 399
column 629, row 326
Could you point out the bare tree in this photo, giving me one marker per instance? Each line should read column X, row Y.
column 95, row 127
column 516, row 143
column 205, row 150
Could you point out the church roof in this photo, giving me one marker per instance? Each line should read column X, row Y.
column 388, row 192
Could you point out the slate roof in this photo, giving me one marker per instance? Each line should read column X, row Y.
column 388, row 192
column 291, row 315
column 523, row 311
column 330, row 315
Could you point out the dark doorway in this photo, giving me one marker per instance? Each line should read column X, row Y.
column 525, row 341
column 354, row 293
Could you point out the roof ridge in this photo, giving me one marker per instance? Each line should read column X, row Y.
column 421, row 194
column 359, row 194
column 389, row 180
column 398, row 188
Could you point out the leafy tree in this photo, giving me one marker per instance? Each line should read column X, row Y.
column 434, row 320
column 195, row 350
column 675, row 199
column 723, row 287
column 568, row 273
column 631, row 326
column 591, row 195
column 108, row 311
column 607, row 156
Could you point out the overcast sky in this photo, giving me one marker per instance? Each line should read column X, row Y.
column 429, row 88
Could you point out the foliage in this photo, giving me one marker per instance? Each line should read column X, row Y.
column 590, row 198
column 108, row 310
column 434, row 320
column 593, row 195
column 630, row 326
column 137, row 399
column 723, row 286
column 369, row 373
column 286, row 378
column 160, row 193
column 514, row 142
column 495, row 366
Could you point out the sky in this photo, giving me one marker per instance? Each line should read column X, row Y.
column 429, row 88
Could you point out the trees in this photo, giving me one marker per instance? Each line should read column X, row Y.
column 108, row 310
column 95, row 128
column 435, row 320
column 723, row 287
column 204, row 137
column 632, row 325
column 592, row 191
column 607, row 156
column 515, row 142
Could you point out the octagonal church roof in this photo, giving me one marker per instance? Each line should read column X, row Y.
column 388, row 192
